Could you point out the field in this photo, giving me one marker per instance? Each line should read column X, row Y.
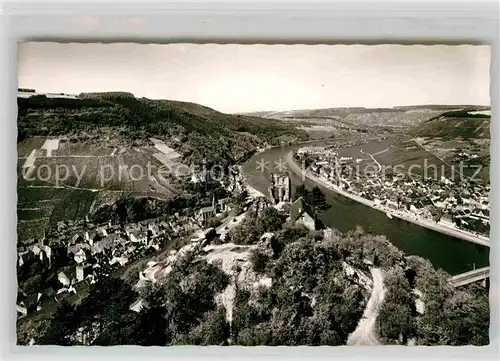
column 455, row 127
column 82, row 149
column 28, row 214
column 475, row 152
column 325, row 131
column 459, row 137
column 413, row 155
column 38, row 208
column 67, row 185
column 26, row 146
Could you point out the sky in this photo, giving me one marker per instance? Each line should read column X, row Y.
column 242, row 78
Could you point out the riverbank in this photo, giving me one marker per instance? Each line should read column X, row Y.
column 439, row 227
column 252, row 192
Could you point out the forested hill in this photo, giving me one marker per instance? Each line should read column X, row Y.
column 198, row 132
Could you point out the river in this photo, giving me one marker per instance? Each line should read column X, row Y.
column 449, row 253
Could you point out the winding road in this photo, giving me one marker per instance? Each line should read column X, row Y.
column 365, row 334
column 373, row 158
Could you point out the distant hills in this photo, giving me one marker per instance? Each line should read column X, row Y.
column 198, row 132
column 203, row 134
column 405, row 117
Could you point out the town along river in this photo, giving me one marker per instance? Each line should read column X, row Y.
column 449, row 253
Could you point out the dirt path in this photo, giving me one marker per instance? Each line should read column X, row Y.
column 365, row 333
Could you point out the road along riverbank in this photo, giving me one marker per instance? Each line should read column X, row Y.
column 439, row 227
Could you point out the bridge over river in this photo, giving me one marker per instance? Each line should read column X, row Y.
column 465, row 278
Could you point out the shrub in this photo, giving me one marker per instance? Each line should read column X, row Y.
column 259, row 261
column 212, row 330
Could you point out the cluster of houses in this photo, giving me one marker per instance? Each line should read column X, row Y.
column 465, row 204
column 90, row 251
column 300, row 212
column 94, row 251
column 92, row 254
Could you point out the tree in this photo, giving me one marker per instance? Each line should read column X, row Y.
column 253, row 227
column 452, row 316
column 103, row 310
column 318, row 199
column 315, row 197
column 271, row 220
column 395, row 321
column 436, row 213
column 148, row 328
column 63, row 326
column 259, row 261
column 213, row 222
column 289, row 234
column 301, row 191
column 466, row 318
column 212, row 330
column 241, row 198
column 395, row 318
column 185, row 296
column 246, row 232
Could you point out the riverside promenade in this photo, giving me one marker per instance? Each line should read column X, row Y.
column 439, row 227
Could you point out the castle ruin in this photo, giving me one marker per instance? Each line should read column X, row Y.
column 280, row 188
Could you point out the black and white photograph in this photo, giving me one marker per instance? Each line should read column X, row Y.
column 253, row 195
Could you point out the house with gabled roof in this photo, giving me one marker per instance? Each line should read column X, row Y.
column 92, row 237
column 224, row 205
column 36, row 249
column 205, row 213
column 154, row 229
column 120, row 260
column 81, row 256
column 116, row 238
column 83, row 271
column 131, row 228
column 102, row 245
column 27, row 304
column 46, row 296
column 102, row 231
column 63, row 279
column 77, row 238
column 138, row 305
column 302, row 212
column 138, row 236
column 73, row 249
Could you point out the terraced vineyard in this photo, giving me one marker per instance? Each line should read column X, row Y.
column 78, row 153
column 67, row 185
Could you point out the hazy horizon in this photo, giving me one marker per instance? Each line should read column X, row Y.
column 251, row 78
